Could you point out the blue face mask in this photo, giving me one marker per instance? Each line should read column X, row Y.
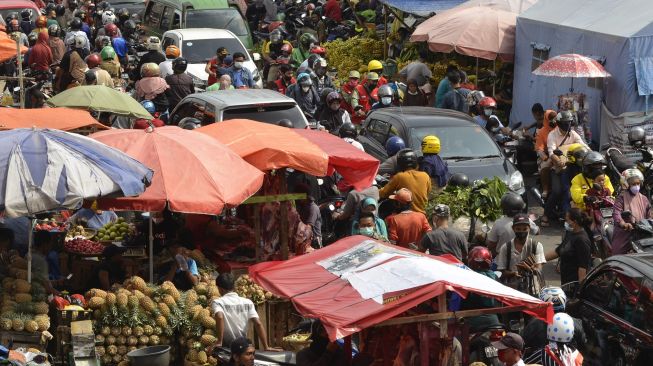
column 367, row 231
column 634, row 189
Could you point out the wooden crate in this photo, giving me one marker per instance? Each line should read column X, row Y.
column 23, row 340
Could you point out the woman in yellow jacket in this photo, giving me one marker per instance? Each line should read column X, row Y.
column 593, row 165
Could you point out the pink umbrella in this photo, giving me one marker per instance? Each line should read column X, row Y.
column 476, row 31
column 515, row 6
column 571, row 65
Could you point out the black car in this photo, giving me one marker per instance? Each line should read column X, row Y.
column 465, row 146
column 134, row 6
column 615, row 304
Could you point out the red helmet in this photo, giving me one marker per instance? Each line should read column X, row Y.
column 41, row 21
column 487, row 102
column 479, row 258
column 286, row 48
column 111, row 30
column 310, row 7
column 318, row 51
column 93, row 60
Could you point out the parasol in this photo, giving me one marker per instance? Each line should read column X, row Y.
column 100, row 98
column 571, row 65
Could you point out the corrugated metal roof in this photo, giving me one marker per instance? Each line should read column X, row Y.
column 423, row 7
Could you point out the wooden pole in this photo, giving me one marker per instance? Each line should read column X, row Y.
column 450, row 315
column 385, row 32
column 257, row 231
column 151, row 247
column 283, row 227
column 19, row 57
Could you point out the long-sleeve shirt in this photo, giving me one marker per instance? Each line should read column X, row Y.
column 542, row 133
column 556, row 137
column 419, row 183
column 580, row 184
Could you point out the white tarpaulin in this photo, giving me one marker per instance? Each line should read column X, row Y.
column 614, row 129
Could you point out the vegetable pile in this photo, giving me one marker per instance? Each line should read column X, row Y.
column 80, row 245
column 483, row 200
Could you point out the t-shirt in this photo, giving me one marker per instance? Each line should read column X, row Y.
column 517, row 257
column 192, row 267
column 116, row 274
column 445, row 241
column 310, row 215
column 237, row 311
column 501, row 231
column 574, row 253
column 419, row 183
column 417, row 71
column 407, row 227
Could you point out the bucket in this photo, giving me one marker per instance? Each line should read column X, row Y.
column 150, row 356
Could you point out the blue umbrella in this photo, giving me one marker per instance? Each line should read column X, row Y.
column 43, row 170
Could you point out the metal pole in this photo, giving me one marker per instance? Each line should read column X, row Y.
column 151, row 254
column 19, row 57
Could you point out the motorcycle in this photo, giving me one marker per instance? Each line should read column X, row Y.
column 641, row 239
column 600, row 209
column 481, row 348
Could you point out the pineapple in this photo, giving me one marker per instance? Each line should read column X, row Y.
column 208, row 340
column 121, row 340
column 43, row 322
column 18, row 325
column 116, row 359
column 122, row 300
column 148, row 330
column 99, row 339
column 112, row 350
column 96, row 292
column 154, row 340
column 21, row 274
column 19, row 262
column 169, row 300
column 138, row 294
column 96, row 302
column 192, row 355
column 195, row 311
column 136, row 283
column 132, row 301
column 143, row 340
column 191, row 298
column 123, row 363
column 131, row 348
column 208, row 322
column 31, row 326
column 105, row 331
column 122, row 350
column 164, row 310
column 149, row 291
column 213, row 361
column 201, row 288
column 126, row 331
column 132, row 340
column 110, row 340
column 161, row 321
column 147, row 304
column 158, row 330
column 110, row 299
column 202, row 357
column 41, row 308
column 22, row 286
column 100, row 351
column 106, row 359
column 210, row 332
column 138, row 331
column 115, row 331
column 23, row 298
column 6, row 324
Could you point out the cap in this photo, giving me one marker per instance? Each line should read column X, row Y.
column 510, row 340
column 403, row 195
column 111, row 250
column 521, row 218
column 354, row 74
column 372, row 76
column 441, row 210
column 239, row 345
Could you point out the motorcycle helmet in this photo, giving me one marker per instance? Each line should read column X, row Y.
column 108, row 53
column 111, row 30
column 179, row 65
column 26, row 14
column 129, row 27
column 60, row 10
column 385, row 91
column 561, row 329
column 564, row 120
column 459, row 180
column 487, row 102
column 556, row 296
column 150, row 69
column 430, row 144
column 123, row 14
column 190, row 123
column 104, row 5
column 333, row 96
column 594, row 159
column 348, row 130
column 93, row 60
column 50, row 7
column 319, row 62
column 53, row 30
column 90, row 77
column 406, row 159
column 512, row 204
column 393, row 145
column 102, row 41
column 275, row 36
column 172, row 51
column 479, row 259
column 306, row 40
column 79, row 41
column 72, row 4
column 153, row 43
column 108, row 17
column 576, row 153
column 637, row 137
column 318, row 50
column 375, row 66
column 149, row 106
column 372, row 76
column 32, row 38
column 76, row 24
column 304, row 79
column 285, row 122
column 41, row 21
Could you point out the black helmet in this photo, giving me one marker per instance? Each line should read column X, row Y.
column 32, row 38
column 26, row 14
column 123, row 14
column 459, row 179
column 60, row 10
column 285, row 122
column 594, row 158
column 406, row 159
column 637, row 137
column 385, row 91
column 512, row 204
column 306, row 39
column 179, row 65
column 348, row 130
column 129, row 26
column 103, row 5
column 325, row 93
column 72, row 4
column 11, row 16
column 53, row 30
column 190, row 123
column 76, row 24
column 49, row 7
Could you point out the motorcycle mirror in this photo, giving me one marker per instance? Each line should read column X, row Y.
column 256, row 56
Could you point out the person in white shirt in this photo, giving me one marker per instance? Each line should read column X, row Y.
column 521, row 247
column 232, row 313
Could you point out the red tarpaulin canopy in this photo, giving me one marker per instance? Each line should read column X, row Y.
column 317, row 153
column 318, row 290
column 65, row 119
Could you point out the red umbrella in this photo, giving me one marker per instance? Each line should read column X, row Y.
column 572, row 66
column 193, row 173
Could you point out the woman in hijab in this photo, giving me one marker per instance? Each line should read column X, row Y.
column 633, row 201
column 414, row 95
column 369, row 205
column 41, row 56
column 152, row 86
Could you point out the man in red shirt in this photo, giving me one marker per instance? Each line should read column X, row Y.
column 285, row 79
column 406, row 227
column 215, row 64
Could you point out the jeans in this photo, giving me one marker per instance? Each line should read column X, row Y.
column 560, row 197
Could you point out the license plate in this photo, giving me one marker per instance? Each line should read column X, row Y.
column 491, row 351
column 606, row 212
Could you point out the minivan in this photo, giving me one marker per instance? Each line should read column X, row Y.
column 163, row 15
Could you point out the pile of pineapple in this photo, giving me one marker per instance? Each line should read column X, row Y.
column 200, row 331
column 245, row 287
column 23, row 305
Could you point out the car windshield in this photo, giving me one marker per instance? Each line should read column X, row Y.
column 7, row 11
column 201, row 50
column 458, row 142
column 267, row 114
column 229, row 19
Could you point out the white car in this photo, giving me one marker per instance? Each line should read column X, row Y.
column 198, row 46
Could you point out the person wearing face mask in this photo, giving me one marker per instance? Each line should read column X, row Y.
column 386, row 97
column 215, row 65
column 350, row 95
column 241, row 77
column 633, row 201
column 304, row 93
column 513, row 253
column 593, row 165
column 362, row 100
column 334, row 115
column 557, row 143
column 321, row 80
column 574, row 253
column 545, row 123
column 375, row 226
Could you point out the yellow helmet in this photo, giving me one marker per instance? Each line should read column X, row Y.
column 576, row 153
column 374, row 65
column 431, row 145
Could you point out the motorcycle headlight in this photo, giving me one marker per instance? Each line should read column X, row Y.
column 516, row 182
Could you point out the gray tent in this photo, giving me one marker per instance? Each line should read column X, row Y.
column 617, row 33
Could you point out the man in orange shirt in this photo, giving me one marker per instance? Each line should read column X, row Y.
column 406, row 227
column 545, row 124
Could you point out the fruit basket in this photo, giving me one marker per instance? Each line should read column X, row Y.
column 83, row 247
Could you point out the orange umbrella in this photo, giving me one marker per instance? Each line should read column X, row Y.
column 193, row 173
column 269, row 147
column 8, row 48
column 58, row 118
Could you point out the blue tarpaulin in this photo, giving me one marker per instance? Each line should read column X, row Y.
column 422, row 7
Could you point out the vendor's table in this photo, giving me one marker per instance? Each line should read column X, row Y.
column 24, row 340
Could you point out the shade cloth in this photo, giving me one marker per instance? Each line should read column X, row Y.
column 318, row 286
column 422, row 7
column 64, row 119
column 193, row 173
column 8, row 47
column 100, row 98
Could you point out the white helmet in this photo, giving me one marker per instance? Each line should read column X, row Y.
column 153, row 43
column 561, row 329
column 79, row 41
column 629, row 174
column 108, row 17
column 556, row 296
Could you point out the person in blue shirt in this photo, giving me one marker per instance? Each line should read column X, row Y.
column 183, row 272
column 444, row 87
column 92, row 217
column 241, row 77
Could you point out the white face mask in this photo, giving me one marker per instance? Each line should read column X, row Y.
column 487, row 112
column 386, row 100
column 238, row 64
column 305, row 89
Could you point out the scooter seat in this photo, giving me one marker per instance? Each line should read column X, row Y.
column 285, row 357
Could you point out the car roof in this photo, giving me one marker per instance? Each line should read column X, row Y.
column 207, row 4
column 203, row 33
column 11, row 4
column 243, row 97
column 641, row 262
column 425, row 116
